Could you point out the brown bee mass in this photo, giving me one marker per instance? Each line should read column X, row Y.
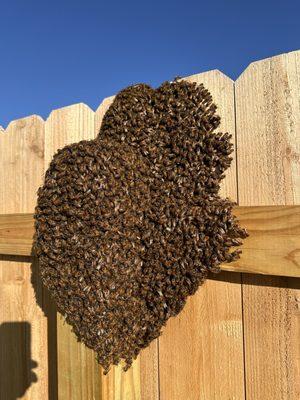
column 128, row 225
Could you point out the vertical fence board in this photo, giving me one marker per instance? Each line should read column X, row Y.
column 23, row 326
column 78, row 373
column 268, row 138
column 201, row 350
column 140, row 382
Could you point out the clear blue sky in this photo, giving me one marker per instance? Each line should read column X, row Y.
column 57, row 53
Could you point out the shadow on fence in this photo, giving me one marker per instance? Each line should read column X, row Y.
column 47, row 305
column 15, row 344
column 282, row 282
column 16, row 365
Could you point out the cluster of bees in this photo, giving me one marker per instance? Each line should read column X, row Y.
column 128, row 225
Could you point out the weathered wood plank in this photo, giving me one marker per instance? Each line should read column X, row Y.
column 271, row 249
column 201, row 350
column 268, row 140
column 273, row 245
column 79, row 375
column 16, row 234
column 23, row 325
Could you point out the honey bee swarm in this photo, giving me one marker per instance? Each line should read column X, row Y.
column 129, row 224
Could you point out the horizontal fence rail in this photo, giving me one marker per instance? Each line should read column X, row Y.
column 271, row 248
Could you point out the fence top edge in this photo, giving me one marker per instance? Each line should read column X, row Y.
column 210, row 72
column 69, row 108
column 255, row 63
column 23, row 120
column 109, row 98
column 104, row 101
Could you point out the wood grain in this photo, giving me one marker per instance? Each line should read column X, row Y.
column 273, row 247
column 23, row 324
column 201, row 350
column 141, row 381
column 268, row 126
column 79, row 375
column 16, row 234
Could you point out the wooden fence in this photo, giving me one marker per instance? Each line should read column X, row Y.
column 238, row 338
